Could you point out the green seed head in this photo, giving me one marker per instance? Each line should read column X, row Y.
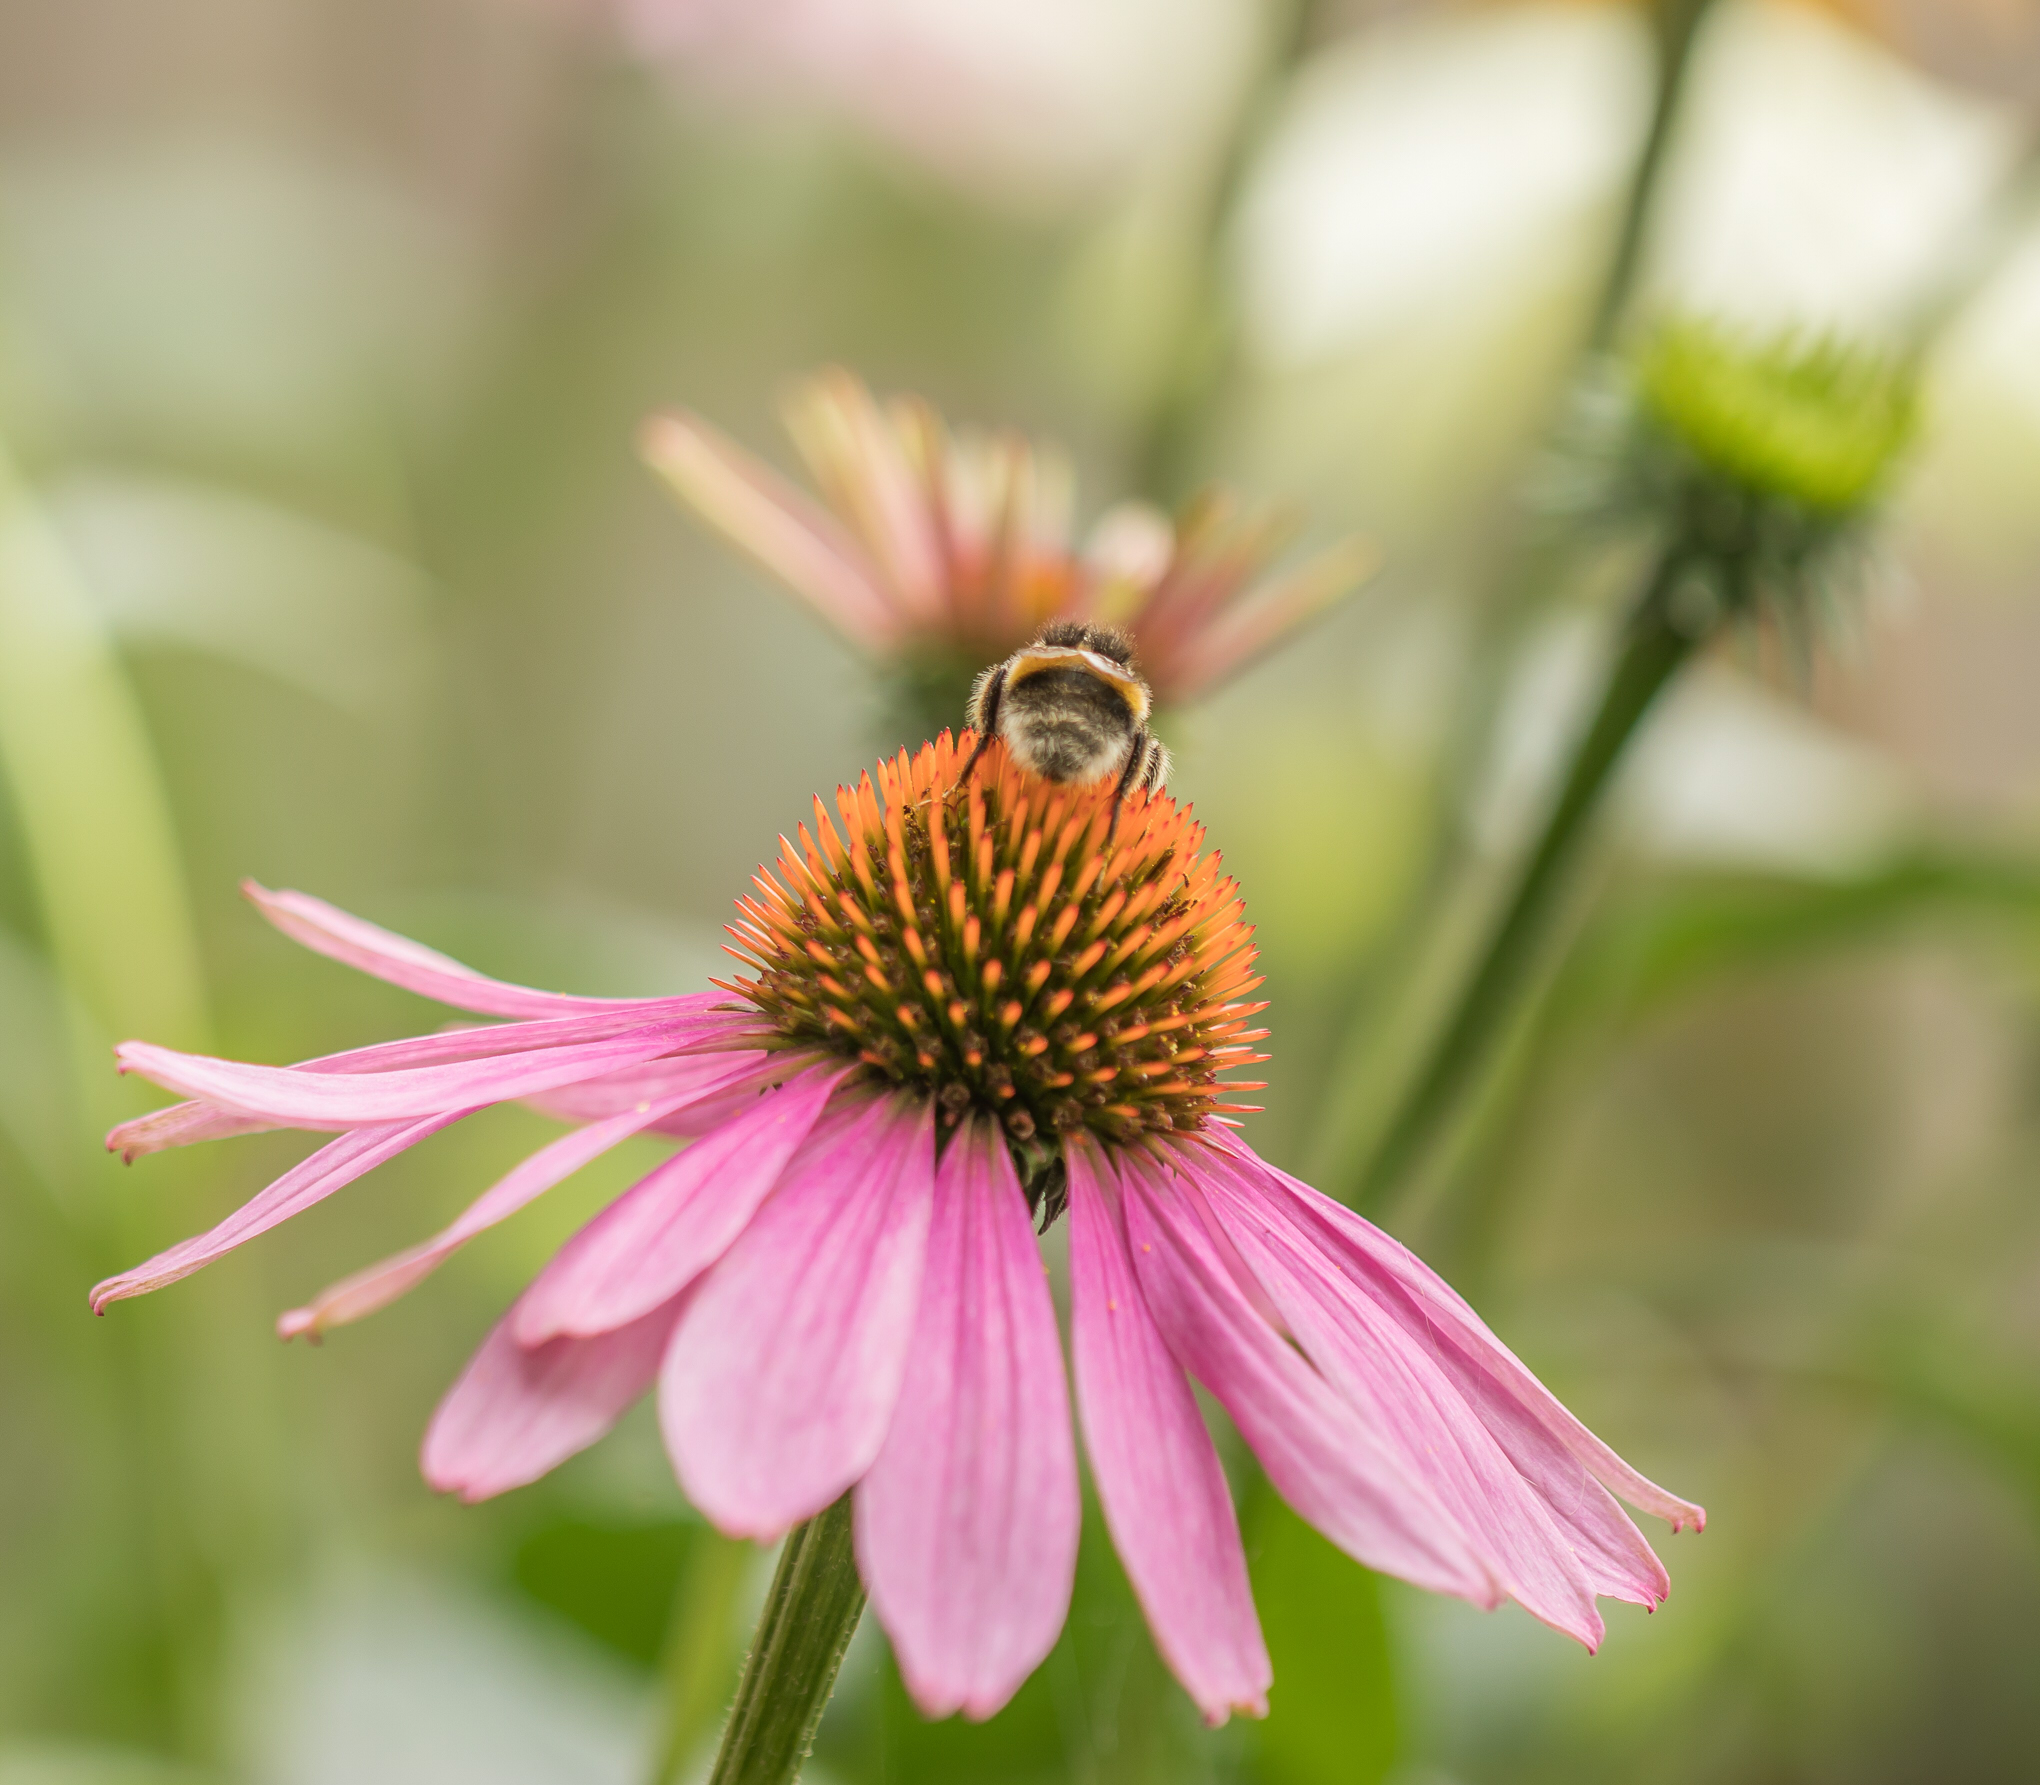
column 1812, row 422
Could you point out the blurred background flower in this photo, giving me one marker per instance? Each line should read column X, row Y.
column 325, row 330
column 942, row 552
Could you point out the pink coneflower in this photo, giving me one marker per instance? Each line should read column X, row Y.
column 933, row 544
column 965, row 1007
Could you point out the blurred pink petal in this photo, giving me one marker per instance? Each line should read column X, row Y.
column 1256, row 622
column 1164, row 1494
column 761, row 513
column 967, row 1522
column 958, row 544
column 860, row 458
column 336, row 1164
column 782, row 1377
column 516, row 1413
column 672, row 1224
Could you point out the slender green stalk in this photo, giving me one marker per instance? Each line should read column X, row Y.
column 1677, row 23
column 1203, row 350
column 1656, row 646
column 815, row 1602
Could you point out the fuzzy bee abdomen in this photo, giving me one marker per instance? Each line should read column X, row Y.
column 1066, row 725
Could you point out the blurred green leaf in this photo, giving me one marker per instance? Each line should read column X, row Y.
column 615, row 1581
column 65, row 1764
column 36, row 1104
column 1332, row 1713
column 186, row 563
column 1667, row 940
column 88, row 795
column 1957, row 1380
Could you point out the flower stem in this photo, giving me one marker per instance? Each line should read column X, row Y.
column 1165, row 449
column 1676, row 24
column 815, row 1602
column 1655, row 648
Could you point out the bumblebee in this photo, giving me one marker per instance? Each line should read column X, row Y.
column 1071, row 707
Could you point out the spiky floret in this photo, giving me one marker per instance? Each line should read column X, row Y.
column 990, row 945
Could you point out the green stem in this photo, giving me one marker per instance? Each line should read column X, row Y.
column 815, row 1602
column 1677, row 23
column 1203, row 352
column 1657, row 645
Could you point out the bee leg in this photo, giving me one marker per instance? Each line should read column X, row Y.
column 984, row 714
column 1134, row 774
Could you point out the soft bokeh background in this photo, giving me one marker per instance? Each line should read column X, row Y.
column 324, row 558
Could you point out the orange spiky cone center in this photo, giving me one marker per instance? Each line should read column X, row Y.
column 988, row 945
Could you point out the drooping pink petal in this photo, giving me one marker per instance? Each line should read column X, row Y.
column 1401, row 1394
column 363, row 1293
column 334, row 1165
column 782, row 1377
column 707, row 1035
column 765, row 516
column 287, row 1094
column 329, row 931
column 180, row 1125
column 1543, row 1438
column 1164, row 1494
column 517, row 1413
column 677, row 1220
column 651, row 1081
column 1340, row 1475
column 967, row 1522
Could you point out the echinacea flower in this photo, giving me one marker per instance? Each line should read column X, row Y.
column 942, row 550
column 968, row 1005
